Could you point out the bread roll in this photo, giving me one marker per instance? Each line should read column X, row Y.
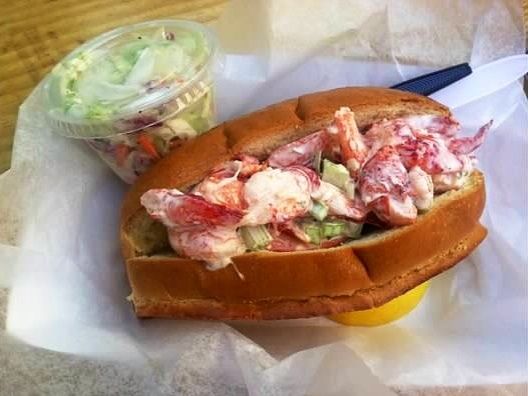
column 363, row 274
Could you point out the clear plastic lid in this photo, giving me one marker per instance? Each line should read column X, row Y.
column 103, row 86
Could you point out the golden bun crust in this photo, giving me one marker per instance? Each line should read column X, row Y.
column 363, row 274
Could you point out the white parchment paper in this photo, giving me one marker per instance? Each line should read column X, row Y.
column 59, row 251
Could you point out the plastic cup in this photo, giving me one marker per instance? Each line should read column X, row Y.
column 136, row 92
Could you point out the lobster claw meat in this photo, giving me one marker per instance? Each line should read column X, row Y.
column 384, row 187
column 175, row 209
column 467, row 145
column 301, row 152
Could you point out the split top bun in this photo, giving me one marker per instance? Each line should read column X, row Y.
column 360, row 275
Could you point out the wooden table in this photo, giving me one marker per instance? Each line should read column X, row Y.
column 36, row 34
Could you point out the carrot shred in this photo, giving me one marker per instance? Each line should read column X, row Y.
column 121, row 153
column 147, row 144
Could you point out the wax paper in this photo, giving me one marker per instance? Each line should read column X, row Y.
column 59, row 220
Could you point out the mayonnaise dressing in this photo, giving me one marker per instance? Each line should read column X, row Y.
column 216, row 246
column 275, row 196
column 422, row 187
column 337, row 202
column 156, row 203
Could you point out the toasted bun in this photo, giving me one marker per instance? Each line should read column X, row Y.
column 363, row 274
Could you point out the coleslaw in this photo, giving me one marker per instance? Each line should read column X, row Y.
column 136, row 92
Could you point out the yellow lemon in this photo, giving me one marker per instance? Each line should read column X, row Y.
column 386, row 313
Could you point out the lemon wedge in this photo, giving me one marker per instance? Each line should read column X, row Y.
column 386, row 313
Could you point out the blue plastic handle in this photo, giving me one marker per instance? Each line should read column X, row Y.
column 435, row 81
